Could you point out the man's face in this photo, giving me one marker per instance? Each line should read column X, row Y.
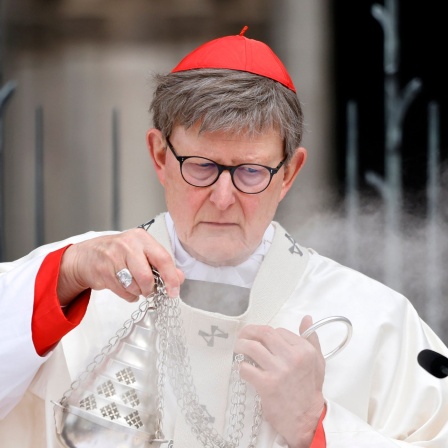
column 218, row 224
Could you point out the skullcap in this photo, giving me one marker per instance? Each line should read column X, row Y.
column 237, row 53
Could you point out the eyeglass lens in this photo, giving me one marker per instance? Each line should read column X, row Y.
column 248, row 178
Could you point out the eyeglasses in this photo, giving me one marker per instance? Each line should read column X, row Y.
column 250, row 178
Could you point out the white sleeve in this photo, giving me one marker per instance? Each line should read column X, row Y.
column 19, row 361
column 346, row 430
column 407, row 407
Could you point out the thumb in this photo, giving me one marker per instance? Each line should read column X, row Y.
column 306, row 323
column 313, row 339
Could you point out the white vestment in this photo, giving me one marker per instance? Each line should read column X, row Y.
column 376, row 393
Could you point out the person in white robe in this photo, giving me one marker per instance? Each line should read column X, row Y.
column 226, row 148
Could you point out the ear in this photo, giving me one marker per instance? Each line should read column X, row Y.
column 292, row 169
column 157, row 150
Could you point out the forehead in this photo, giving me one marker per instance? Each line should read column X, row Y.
column 237, row 146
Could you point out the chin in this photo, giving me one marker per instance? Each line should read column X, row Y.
column 227, row 257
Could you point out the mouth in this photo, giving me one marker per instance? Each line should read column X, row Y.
column 219, row 224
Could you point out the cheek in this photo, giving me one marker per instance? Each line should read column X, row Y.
column 176, row 189
column 252, row 208
column 183, row 202
column 265, row 204
column 261, row 212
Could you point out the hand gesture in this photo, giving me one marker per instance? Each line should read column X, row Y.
column 288, row 376
column 95, row 263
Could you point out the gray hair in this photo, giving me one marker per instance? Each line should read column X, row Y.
column 227, row 100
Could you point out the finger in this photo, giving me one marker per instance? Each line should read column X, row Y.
column 142, row 276
column 94, row 264
column 157, row 256
column 122, row 292
column 256, row 352
column 271, row 349
column 313, row 338
column 278, row 341
column 171, row 276
column 142, row 252
column 252, row 374
column 306, row 323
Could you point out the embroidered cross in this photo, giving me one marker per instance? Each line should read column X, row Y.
column 210, row 337
column 294, row 249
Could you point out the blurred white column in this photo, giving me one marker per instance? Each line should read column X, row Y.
column 301, row 33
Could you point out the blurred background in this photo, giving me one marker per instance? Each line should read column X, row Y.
column 75, row 80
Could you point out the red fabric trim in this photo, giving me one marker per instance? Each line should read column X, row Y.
column 49, row 322
column 319, row 440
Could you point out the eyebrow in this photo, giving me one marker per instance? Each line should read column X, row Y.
column 233, row 163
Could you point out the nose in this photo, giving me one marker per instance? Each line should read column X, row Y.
column 223, row 191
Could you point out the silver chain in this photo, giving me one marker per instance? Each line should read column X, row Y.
column 173, row 361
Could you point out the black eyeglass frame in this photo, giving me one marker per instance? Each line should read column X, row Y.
column 221, row 168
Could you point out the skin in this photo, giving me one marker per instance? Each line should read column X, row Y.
column 217, row 225
column 289, row 378
column 220, row 225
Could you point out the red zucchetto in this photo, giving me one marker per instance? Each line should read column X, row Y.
column 237, row 53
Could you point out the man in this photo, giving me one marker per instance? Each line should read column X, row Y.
column 226, row 148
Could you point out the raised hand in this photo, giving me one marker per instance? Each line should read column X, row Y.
column 95, row 263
